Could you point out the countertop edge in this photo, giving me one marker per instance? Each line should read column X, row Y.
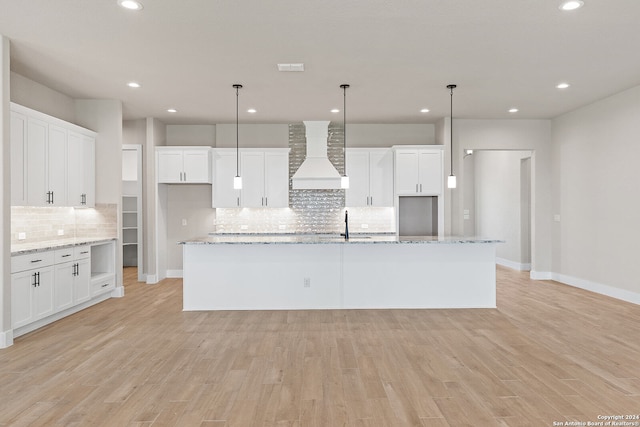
column 319, row 241
column 51, row 246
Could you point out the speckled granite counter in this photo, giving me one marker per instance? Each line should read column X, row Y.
column 273, row 272
column 26, row 248
column 265, row 239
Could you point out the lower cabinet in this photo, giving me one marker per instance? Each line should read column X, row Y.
column 46, row 283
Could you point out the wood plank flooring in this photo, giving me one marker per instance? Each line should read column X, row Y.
column 548, row 353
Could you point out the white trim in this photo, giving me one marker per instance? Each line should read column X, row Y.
column 513, row 265
column 599, row 288
column 6, row 338
column 540, row 275
column 152, row 279
column 118, row 292
column 174, row 274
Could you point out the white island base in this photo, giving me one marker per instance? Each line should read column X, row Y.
column 225, row 275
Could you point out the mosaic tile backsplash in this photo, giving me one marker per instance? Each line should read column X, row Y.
column 310, row 211
column 41, row 224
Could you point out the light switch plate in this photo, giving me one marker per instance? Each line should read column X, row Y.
column 22, row 236
column 556, row 217
column 60, row 232
column 244, row 227
column 364, row 225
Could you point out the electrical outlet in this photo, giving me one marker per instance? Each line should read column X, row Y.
column 307, row 282
column 244, row 227
column 364, row 225
column 282, row 227
column 184, row 221
column 556, row 217
column 61, row 232
column 22, row 236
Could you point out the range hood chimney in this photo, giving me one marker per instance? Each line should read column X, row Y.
column 316, row 172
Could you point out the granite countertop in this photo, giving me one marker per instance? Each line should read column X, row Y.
column 248, row 239
column 26, row 248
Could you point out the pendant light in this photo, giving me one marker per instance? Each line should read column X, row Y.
column 451, row 181
column 237, row 180
column 344, row 181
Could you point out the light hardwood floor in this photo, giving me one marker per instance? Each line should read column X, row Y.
column 548, row 353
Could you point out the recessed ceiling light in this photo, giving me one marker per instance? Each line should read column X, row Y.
column 335, row 110
column 252, row 110
column 130, row 4
column 513, row 110
column 134, row 85
column 571, row 5
column 172, row 110
column 562, row 85
column 424, row 110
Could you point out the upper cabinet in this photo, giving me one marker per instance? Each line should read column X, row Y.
column 370, row 173
column 184, row 165
column 52, row 161
column 265, row 178
column 418, row 170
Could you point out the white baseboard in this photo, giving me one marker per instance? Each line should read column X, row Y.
column 540, row 275
column 118, row 292
column 513, row 265
column 174, row 274
column 598, row 288
column 152, row 279
column 6, row 338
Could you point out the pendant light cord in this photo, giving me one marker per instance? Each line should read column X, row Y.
column 451, row 87
column 237, row 87
column 344, row 125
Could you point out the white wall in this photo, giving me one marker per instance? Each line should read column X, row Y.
column 105, row 117
column 534, row 135
column 498, row 203
column 6, row 338
column 192, row 135
column 34, row 95
column 386, row 135
column 596, row 151
column 252, row 135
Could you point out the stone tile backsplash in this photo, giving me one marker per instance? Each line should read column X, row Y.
column 310, row 211
column 41, row 224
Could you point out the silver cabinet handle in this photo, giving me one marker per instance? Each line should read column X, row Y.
column 238, row 201
column 421, row 188
column 266, row 201
column 33, row 261
column 185, row 177
column 416, row 188
column 66, row 255
column 371, row 204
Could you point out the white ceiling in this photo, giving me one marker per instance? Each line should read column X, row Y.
column 398, row 56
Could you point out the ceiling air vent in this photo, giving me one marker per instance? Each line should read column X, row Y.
column 291, row 67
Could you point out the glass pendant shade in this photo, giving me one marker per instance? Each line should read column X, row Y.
column 237, row 182
column 451, row 181
column 344, row 182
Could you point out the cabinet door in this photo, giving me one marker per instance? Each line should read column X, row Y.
column 252, row 172
column 430, row 173
column 196, row 166
column 37, row 132
column 358, row 171
column 81, row 284
column 63, row 286
column 381, row 178
column 223, row 194
column 57, row 165
column 22, row 287
column 80, row 170
column 406, row 162
column 43, row 294
column 276, row 180
column 169, row 166
column 18, row 159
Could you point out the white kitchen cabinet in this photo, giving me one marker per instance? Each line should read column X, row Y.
column 418, row 171
column 81, row 170
column 224, row 169
column 370, row 173
column 32, row 293
column 46, row 167
column 184, row 165
column 48, row 285
column 265, row 179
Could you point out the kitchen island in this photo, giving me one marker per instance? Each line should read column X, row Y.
column 278, row 272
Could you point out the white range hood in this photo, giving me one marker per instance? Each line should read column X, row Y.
column 316, row 172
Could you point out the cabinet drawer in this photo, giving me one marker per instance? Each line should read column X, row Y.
column 63, row 255
column 82, row 252
column 29, row 261
column 101, row 286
